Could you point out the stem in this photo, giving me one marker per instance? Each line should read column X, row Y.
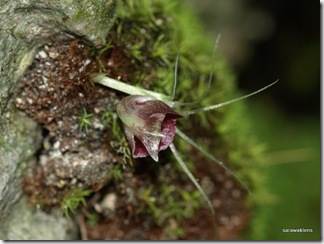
column 126, row 88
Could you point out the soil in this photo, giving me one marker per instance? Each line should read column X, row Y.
column 57, row 93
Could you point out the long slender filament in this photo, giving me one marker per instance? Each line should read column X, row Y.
column 175, row 81
column 211, row 74
column 193, row 179
column 211, row 157
column 189, row 112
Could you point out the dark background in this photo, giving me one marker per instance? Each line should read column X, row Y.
column 292, row 53
column 265, row 41
column 269, row 40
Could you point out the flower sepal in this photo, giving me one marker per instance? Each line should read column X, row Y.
column 149, row 124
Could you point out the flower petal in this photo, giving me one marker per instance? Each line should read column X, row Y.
column 149, row 124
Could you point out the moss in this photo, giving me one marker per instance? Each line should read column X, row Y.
column 141, row 50
column 72, row 200
column 152, row 33
column 84, row 120
column 168, row 206
column 88, row 12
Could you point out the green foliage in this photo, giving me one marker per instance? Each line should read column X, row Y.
column 71, row 201
column 117, row 173
column 167, row 203
column 150, row 33
column 110, row 119
column 97, row 54
column 153, row 32
column 118, row 140
column 92, row 219
column 84, row 120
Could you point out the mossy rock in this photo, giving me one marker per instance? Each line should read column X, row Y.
column 25, row 27
column 84, row 147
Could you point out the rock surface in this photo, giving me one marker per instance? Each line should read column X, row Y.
column 24, row 27
column 27, row 224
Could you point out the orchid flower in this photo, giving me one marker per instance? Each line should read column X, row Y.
column 149, row 120
column 149, row 124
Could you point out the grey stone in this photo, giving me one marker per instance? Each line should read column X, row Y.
column 26, row 25
column 27, row 224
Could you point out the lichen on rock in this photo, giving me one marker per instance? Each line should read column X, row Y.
column 25, row 27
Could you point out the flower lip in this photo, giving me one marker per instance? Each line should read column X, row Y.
column 149, row 124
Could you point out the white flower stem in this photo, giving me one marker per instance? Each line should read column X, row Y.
column 126, row 88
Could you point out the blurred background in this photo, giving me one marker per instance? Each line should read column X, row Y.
column 265, row 41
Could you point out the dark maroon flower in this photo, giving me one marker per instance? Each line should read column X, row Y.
column 149, row 124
